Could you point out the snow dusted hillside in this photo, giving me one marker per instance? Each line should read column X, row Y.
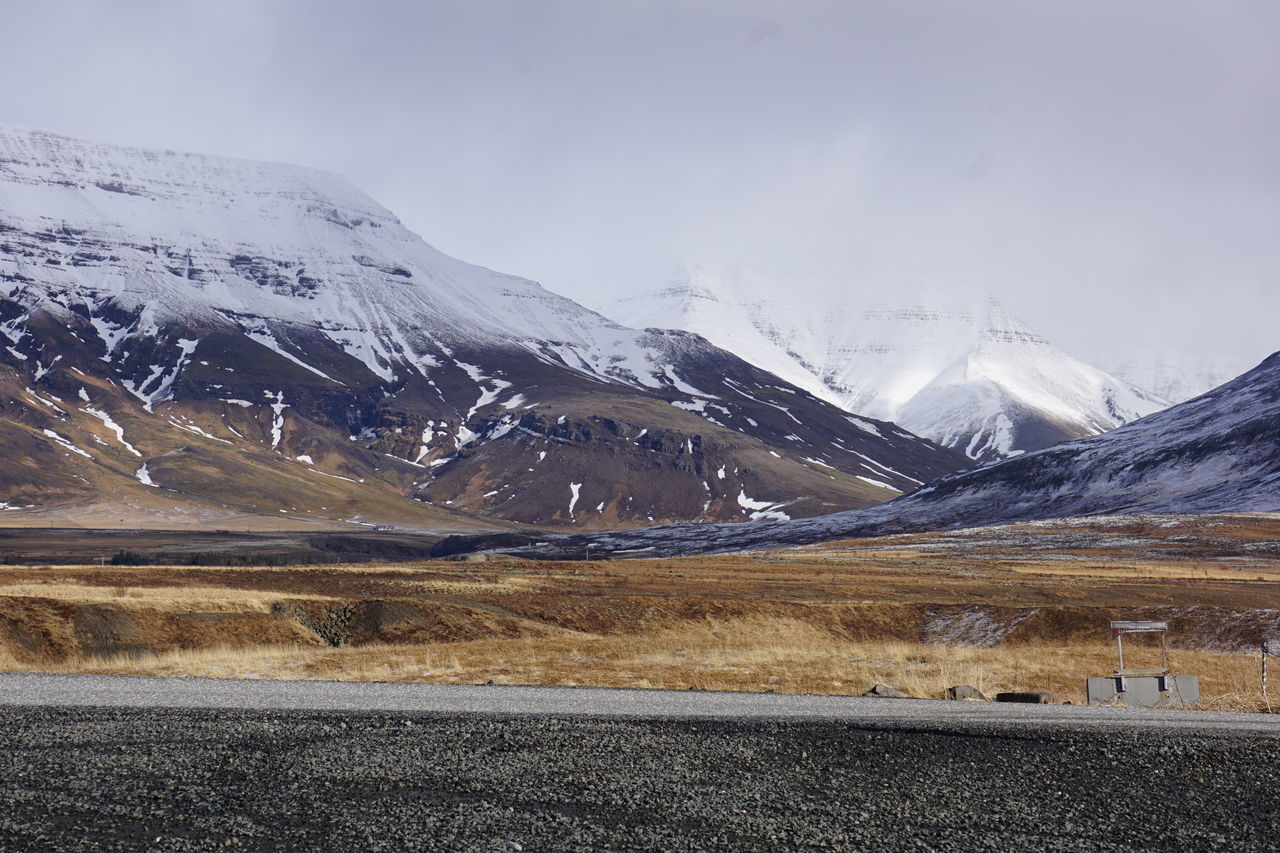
column 193, row 239
column 1218, row 453
column 1177, row 377
column 953, row 367
column 172, row 318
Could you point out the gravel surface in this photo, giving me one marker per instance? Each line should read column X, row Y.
column 187, row 779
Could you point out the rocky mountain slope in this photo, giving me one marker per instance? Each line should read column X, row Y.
column 234, row 337
column 1218, row 453
column 953, row 367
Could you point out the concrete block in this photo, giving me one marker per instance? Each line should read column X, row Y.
column 1144, row 691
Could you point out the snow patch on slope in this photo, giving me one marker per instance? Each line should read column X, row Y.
column 762, row 510
column 114, row 427
column 575, row 490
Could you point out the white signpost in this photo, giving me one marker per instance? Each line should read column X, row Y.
column 1269, row 649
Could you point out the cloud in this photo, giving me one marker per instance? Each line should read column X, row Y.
column 1106, row 168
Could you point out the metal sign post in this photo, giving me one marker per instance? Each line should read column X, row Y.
column 1143, row 687
column 1120, row 629
column 1267, row 651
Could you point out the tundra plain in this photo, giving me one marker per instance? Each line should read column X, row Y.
column 1020, row 607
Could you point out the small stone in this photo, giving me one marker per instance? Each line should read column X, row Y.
column 966, row 691
column 885, row 691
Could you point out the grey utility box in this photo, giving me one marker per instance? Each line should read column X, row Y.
column 1144, row 691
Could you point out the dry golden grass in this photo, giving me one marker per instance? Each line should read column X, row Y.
column 177, row 598
column 1147, row 571
column 495, row 586
column 782, row 655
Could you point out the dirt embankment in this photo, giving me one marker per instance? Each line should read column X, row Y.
column 44, row 630
column 37, row 630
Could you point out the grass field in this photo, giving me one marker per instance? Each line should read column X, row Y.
column 1016, row 608
column 783, row 656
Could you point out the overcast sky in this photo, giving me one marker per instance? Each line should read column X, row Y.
column 1109, row 169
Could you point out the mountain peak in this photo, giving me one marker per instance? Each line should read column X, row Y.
column 948, row 363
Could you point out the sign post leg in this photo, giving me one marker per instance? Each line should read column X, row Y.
column 1265, row 698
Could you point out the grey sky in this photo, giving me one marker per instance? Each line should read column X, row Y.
column 1110, row 169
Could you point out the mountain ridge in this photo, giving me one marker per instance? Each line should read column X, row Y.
column 225, row 313
column 1217, row 453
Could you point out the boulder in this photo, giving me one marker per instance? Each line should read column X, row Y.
column 965, row 691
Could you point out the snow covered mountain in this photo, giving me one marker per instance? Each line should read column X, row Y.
column 1218, row 453
column 266, row 338
column 1177, row 377
column 953, row 367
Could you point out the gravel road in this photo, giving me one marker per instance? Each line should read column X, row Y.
column 36, row 689
column 547, row 771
